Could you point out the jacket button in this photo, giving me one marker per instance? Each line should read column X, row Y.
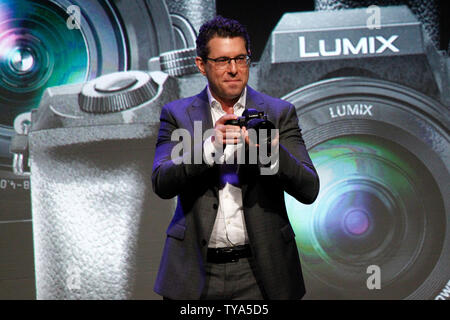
column 204, row 242
column 215, row 206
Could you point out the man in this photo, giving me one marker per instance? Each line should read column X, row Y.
column 230, row 237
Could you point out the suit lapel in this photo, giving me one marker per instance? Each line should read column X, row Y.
column 253, row 100
column 199, row 110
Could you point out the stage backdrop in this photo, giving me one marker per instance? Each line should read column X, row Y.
column 81, row 88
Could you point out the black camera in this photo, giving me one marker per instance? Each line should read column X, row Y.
column 257, row 121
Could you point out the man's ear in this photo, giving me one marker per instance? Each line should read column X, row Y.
column 200, row 65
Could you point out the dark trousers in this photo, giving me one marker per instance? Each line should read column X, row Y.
column 232, row 281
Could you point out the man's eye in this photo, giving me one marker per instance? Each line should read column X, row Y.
column 240, row 58
column 222, row 59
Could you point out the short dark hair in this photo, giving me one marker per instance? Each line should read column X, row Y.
column 221, row 27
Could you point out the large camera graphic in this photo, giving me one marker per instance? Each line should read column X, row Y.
column 83, row 52
column 372, row 103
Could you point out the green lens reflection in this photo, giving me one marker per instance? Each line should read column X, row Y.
column 370, row 210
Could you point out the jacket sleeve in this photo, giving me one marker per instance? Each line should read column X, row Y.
column 172, row 171
column 296, row 170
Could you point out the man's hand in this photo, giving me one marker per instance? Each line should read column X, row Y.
column 226, row 134
column 249, row 142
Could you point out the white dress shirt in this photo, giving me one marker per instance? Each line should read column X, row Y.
column 229, row 228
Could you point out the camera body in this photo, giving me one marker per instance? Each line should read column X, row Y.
column 246, row 118
column 87, row 150
column 91, row 147
column 257, row 121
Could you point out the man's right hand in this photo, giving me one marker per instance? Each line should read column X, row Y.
column 226, row 134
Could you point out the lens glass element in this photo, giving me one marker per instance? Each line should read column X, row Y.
column 371, row 210
column 38, row 49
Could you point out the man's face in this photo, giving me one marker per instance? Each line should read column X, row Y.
column 226, row 84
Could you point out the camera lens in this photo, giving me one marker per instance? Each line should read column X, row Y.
column 35, row 49
column 379, row 149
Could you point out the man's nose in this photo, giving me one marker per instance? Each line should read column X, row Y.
column 232, row 67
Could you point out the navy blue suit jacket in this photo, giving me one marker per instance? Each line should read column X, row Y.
column 182, row 274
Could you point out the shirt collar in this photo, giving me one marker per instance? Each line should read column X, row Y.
column 213, row 103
